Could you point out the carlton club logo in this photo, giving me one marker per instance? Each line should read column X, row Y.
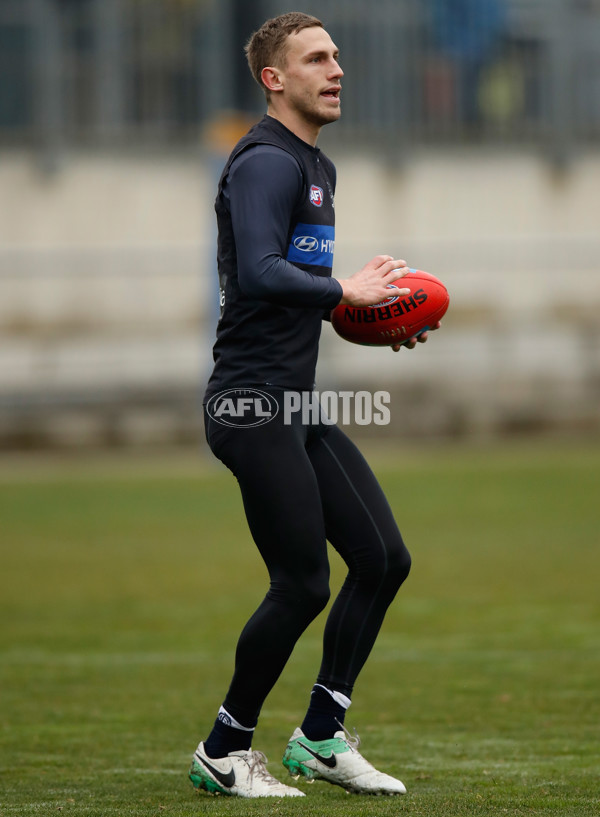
column 316, row 196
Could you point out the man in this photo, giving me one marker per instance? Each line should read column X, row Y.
column 301, row 483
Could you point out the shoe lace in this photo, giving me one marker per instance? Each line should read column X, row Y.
column 352, row 740
column 257, row 766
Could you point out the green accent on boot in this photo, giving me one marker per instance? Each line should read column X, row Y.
column 296, row 768
column 299, row 750
column 202, row 780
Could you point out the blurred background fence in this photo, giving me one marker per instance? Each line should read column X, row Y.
column 468, row 144
column 125, row 72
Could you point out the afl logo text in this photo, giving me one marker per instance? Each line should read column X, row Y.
column 316, row 195
column 242, row 408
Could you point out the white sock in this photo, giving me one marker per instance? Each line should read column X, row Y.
column 229, row 720
column 338, row 697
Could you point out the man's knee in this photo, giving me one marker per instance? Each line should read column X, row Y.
column 308, row 595
column 390, row 567
column 312, row 594
column 399, row 564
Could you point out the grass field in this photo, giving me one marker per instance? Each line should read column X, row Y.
column 123, row 588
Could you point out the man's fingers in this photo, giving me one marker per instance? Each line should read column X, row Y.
column 386, row 263
column 400, row 291
column 380, row 260
column 396, row 268
column 412, row 342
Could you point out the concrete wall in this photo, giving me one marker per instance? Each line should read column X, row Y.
column 107, row 292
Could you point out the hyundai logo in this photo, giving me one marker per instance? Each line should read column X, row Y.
column 306, row 243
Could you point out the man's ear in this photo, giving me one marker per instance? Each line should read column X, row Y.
column 271, row 79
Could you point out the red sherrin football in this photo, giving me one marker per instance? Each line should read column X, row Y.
column 397, row 319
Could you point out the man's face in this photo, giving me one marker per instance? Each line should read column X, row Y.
column 311, row 76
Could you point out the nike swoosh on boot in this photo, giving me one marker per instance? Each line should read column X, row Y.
column 226, row 779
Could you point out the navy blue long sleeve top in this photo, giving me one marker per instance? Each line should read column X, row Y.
column 275, row 214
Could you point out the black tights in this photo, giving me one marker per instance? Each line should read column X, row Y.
column 302, row 485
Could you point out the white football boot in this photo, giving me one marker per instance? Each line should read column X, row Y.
column 242, row 774
column 338, row 761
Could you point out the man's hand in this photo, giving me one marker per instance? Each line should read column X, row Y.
column 412, row 342
column 370, row 284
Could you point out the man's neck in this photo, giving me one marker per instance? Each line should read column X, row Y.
column 298, row 126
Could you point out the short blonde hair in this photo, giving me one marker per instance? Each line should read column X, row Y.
column 268, row 45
